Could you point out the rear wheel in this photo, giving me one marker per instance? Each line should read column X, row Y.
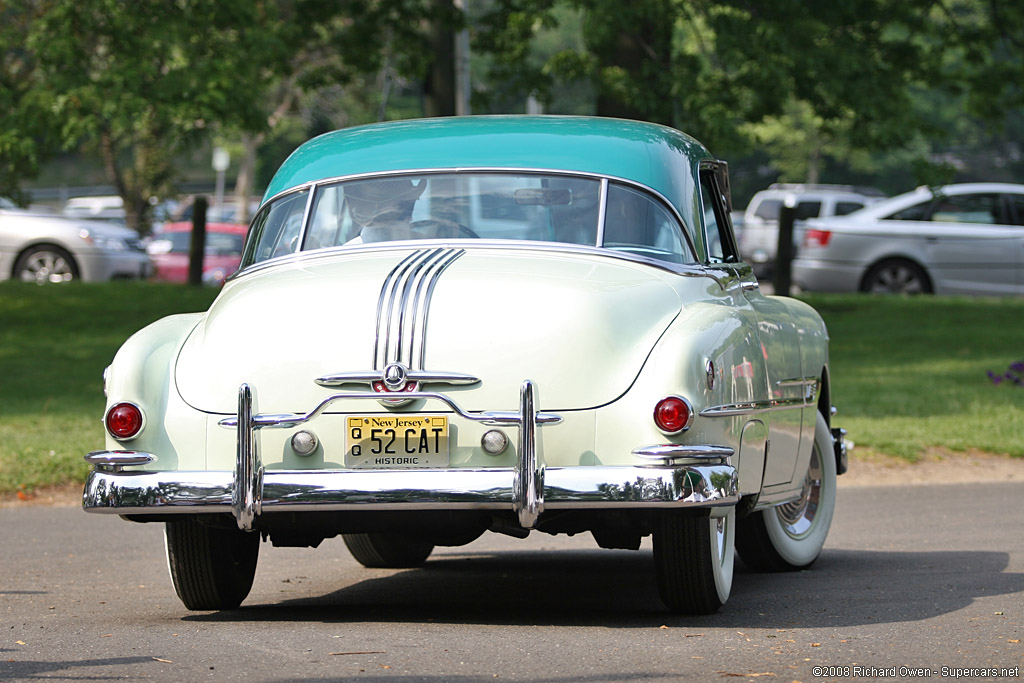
column 388, row 551
column 791, row 536
column 693, row 561
column 211, row 568
column 45, row 264
column 897, row 276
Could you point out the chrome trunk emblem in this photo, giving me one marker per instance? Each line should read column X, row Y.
column 395, row 376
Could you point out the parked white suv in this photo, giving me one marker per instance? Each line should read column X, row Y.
column 760, row 237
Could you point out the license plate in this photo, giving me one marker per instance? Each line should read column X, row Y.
column 396, row 441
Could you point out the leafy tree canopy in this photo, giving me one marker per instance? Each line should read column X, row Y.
column 852, row 73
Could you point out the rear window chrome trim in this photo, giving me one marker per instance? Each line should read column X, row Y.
column 715, row 272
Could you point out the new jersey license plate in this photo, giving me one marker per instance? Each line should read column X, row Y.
column 396, row 441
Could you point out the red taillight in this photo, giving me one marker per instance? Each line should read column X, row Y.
column 817, row 238
column 124, row 420
column 673, row 414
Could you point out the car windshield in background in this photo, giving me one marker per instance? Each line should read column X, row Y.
column 493, row 206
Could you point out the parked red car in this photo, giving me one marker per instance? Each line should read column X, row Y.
column 170, row 246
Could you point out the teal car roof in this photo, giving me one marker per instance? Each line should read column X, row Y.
column 659, row 157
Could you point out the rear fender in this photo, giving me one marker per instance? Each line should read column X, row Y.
column 142, row 373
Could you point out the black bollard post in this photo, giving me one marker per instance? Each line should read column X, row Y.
column 198, row 245
column 782, row 279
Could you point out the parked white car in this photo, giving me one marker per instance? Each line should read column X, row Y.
column 957, row 239
column 759, row 238
column 51, row 249
column 105, row 207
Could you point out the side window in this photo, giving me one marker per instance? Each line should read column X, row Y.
column 275, row 231
column 917, row 212
column 637, row 223
column 330, row 225
column 721, row 248
column 805, row 210
column 968, row 208
column 844, row 208
column 768, row 209
column 1016, row 202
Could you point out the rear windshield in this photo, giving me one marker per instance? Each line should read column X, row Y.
column 467, row 206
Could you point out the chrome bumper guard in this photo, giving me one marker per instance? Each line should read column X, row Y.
column 529, row 488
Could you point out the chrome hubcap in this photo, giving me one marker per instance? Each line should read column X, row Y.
column 797, row 517
column 45, row 267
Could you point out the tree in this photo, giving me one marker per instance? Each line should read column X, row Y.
column 854, row 69
column 340, row 66
column 139, row 82
column 25, row 113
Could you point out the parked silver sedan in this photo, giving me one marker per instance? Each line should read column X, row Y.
column 49, row 249
column 956, row 239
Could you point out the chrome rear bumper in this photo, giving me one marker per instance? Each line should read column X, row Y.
column 332, row 490
column 672, row 479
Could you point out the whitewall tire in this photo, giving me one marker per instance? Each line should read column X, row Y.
column 790, row 536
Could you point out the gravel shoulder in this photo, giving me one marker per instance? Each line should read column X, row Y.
column 937, row 466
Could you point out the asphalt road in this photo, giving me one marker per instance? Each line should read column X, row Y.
column 931, row 576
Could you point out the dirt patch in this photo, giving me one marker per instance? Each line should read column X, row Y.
column 935, row 466
column 62, row 496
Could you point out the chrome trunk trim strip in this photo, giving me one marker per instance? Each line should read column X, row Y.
column 422, row 311
column 404, row 305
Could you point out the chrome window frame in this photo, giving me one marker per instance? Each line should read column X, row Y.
column 314, row 186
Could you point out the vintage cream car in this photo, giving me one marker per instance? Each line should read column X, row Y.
column 508, row 324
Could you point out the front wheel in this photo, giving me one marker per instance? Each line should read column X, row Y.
column 693, row 561
column 791, row 536
column 211, row 568
column 388, row 551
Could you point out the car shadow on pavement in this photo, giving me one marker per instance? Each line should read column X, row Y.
column 82, row 668
column 616, row 589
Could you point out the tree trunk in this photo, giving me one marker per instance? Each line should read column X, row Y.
column 439, row 86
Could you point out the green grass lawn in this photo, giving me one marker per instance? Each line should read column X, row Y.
column 908, row 374
column 54, row 344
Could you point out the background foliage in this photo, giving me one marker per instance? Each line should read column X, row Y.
column 865, row 91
